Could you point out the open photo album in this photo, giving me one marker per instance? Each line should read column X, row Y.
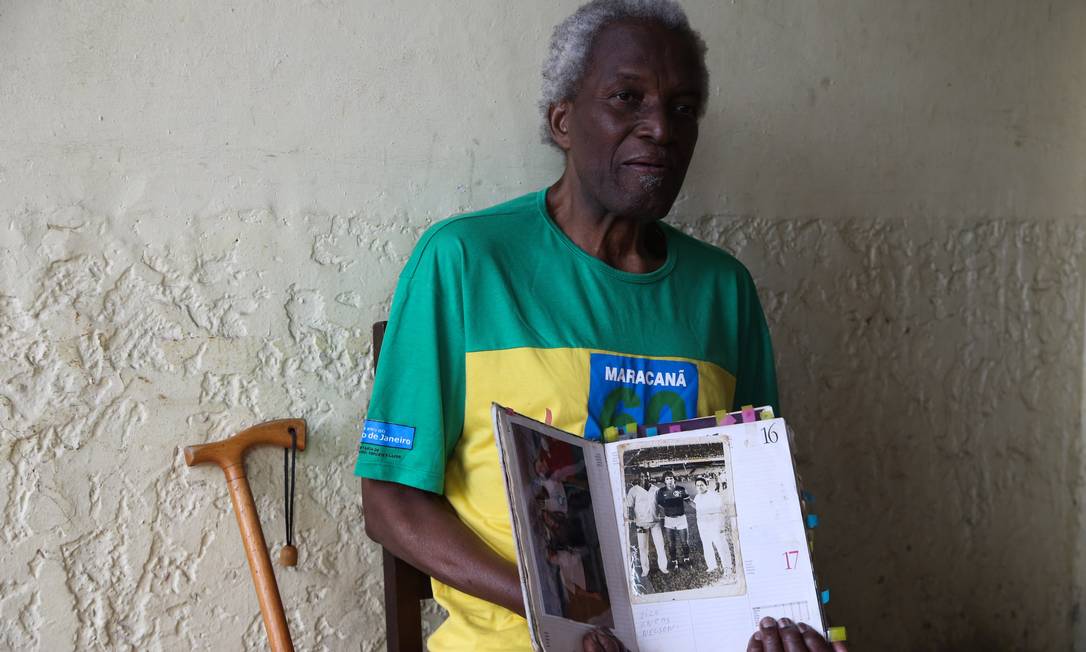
column 675, row 536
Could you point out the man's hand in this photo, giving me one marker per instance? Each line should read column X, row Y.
column 789, row 637
column 601, row 640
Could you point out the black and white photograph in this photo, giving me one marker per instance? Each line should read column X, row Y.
column 563, row 527
column 681, row 531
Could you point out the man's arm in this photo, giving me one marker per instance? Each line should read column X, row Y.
column 422, row 529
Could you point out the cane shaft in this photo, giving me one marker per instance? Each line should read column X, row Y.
column 252, row 537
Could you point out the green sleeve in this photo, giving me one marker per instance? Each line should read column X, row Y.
column 416, row 411
column 756, row 380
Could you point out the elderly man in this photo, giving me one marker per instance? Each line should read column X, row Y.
column 576, row 300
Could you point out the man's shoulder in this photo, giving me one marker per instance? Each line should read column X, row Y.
column 495, row 221
column 446, row 244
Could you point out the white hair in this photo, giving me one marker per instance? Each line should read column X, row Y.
column 571, row 45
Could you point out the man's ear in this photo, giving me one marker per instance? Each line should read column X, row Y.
column 558, row 120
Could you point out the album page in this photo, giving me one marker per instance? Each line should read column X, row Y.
column 713, row 537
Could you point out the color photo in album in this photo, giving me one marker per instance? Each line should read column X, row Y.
column 681, row 531
column 563, row 528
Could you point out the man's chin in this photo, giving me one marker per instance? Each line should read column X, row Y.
column 648, row 206
column 646, row 197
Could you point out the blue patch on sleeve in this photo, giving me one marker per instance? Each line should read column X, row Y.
column 392, row 435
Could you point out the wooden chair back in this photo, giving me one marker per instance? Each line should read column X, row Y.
column 405, row 586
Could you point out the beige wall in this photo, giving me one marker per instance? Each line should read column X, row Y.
column 204, row 205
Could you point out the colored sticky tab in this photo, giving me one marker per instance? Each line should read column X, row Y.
column 765, row 414
column 674, row 428
column 631, row 428
column 650, row 431
column 835, row 634
column 723, row 418
column 808, row 496
column 825, row 596
column 748, row 414
column 610, row 434
column 812, row 520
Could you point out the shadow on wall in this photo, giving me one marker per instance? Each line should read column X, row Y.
column 930, row 355
column 932, row 372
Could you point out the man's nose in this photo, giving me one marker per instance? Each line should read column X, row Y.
column 655, row 122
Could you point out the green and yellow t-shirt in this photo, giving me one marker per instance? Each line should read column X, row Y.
column 500, row 305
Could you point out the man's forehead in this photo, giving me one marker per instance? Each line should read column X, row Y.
column 627, row 49
column 687, row 84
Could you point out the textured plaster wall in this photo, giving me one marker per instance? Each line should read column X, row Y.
column 203, row 206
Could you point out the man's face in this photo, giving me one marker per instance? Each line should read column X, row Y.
column 633, row 124
column 670, row 482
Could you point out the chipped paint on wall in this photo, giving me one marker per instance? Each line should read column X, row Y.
column 125, row 360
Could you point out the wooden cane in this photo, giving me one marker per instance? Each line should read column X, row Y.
column 229, row 454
